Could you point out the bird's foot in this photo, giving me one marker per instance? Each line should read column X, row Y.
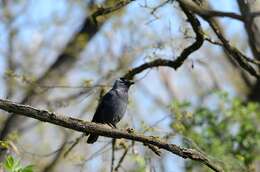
column 130, row 130
column 111, row 125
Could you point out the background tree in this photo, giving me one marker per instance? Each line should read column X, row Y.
column 195, row 63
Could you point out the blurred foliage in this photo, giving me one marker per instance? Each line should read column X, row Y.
column 229, row 133
column 140, row 163
column 12, row 165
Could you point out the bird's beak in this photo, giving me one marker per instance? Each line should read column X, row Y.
column 130, row 83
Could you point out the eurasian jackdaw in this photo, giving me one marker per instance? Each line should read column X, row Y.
column 112, row 106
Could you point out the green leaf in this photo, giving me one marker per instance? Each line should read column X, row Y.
column 9, row 163
column 28, row 168
column 229, row 131
column 12, row 165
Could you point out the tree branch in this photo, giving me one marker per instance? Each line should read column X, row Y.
column 250, row 27
column 93, row 128
column 126, row 148
column 175, row 64
column 204, row 12
column 238, row 56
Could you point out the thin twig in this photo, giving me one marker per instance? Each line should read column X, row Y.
column 122, row 159
column 113, row 154
column 73, row 145
column 98, row 152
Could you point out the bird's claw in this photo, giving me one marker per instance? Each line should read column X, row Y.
column 111, row 125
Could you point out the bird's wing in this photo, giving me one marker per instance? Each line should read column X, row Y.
column 103, row 107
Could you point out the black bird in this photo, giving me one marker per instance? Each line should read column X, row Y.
column 112, row 106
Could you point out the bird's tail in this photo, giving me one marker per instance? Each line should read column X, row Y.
column 92, row 138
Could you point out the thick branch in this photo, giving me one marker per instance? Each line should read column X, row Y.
column 93, row 128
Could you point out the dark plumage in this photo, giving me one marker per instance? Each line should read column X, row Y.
column 112, row 107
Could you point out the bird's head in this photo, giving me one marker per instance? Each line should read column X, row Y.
column 122, row 83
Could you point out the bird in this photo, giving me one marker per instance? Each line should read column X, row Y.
column 112, row 106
